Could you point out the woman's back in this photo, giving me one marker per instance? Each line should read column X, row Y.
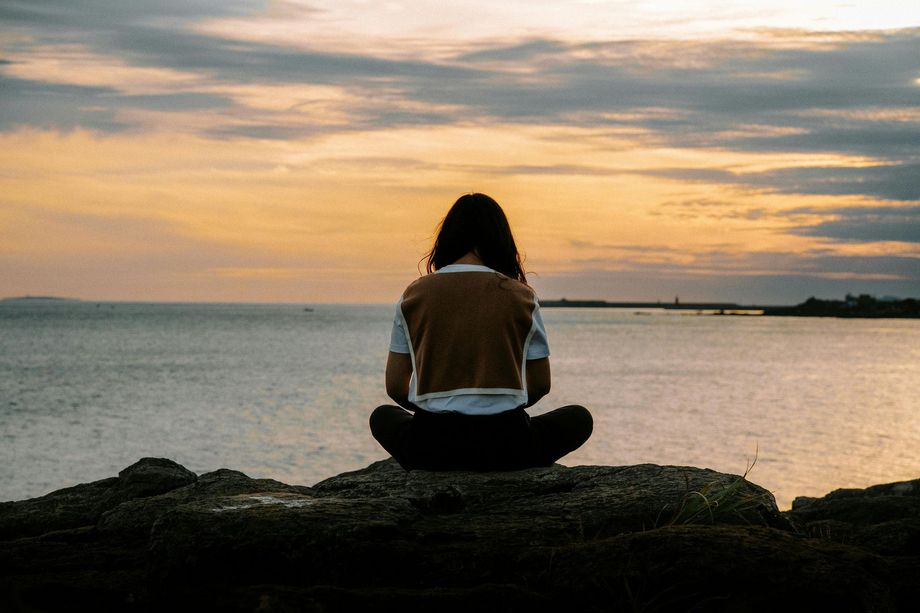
column 470, row 330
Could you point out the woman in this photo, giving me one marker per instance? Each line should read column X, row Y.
column 468, row 353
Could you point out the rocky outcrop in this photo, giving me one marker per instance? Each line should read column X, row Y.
column 83, row 505
column 583, row 538
column 882, row 518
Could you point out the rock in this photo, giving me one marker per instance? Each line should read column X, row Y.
column 882, row 518
column 596, row 500
column 136, row 517
column 152, row 476
column 582, row 538
column 82, row 505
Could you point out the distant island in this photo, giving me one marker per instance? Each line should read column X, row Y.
column 39, row 299
column 864, row 306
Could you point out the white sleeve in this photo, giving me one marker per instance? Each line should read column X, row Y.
column 539, row 345
column 398, row 341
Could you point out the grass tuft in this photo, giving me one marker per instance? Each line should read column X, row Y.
column 717, row 501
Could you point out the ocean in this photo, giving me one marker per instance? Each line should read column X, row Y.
column 284, row 392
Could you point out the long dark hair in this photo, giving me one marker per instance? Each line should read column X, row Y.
column 477, row 223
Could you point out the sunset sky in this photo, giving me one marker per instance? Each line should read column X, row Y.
column 304, row 151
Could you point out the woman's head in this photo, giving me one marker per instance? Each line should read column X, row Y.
column 477, row 224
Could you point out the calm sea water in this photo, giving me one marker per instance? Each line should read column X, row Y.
column 280, row 392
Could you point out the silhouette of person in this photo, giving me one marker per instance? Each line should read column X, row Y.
column 468, row 353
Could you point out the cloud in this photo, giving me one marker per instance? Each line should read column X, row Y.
column 65, row 16
column 188, row 101
column 656, row 249
column 877, row 266
column 53, row 105
column 732, row 260
column 717, row 83
column 892, row 181
column 708, row 92
column 888, row 182
column 866, row 224
column 525, row 51
column 250, row 62
column 746, row 278
column 853, row 95
column 153, row 37
column 881, row 140
column 843, row 224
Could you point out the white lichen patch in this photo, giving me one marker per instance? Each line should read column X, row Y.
column 291, row 503
column 265, row 500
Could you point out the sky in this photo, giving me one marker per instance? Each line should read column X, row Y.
column 305, row 151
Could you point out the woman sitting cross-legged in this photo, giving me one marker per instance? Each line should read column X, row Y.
column 468, row 353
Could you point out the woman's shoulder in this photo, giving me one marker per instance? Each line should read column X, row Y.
column 458, row 281
column 509, row 283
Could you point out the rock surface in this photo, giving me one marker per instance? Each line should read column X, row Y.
column 666, row 538
column 882, row 518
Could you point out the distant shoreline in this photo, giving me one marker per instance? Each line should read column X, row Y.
column 39, row 299
column 680, row 306
column 862, row 306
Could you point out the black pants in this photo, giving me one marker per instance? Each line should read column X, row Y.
column 452, row 441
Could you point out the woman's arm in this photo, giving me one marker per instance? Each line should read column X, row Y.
column 398, row 373
column 538, row 380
